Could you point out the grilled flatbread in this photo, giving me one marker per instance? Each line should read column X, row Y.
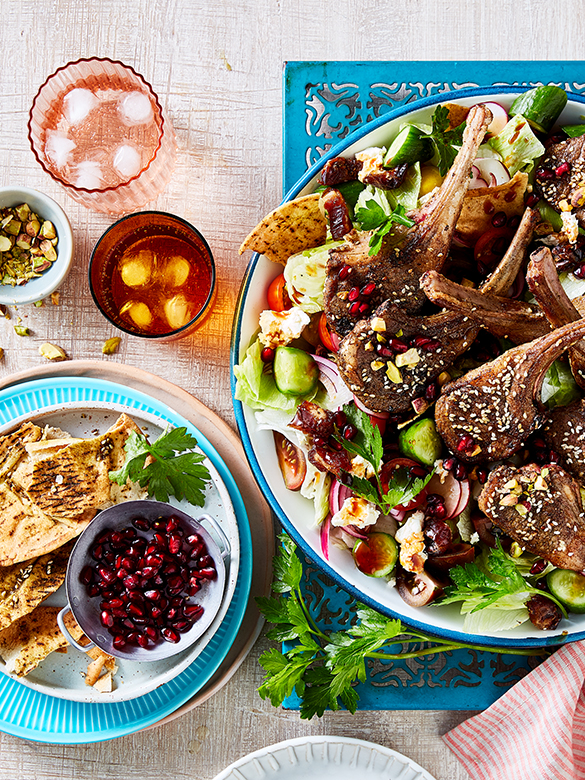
column 25, row 585
column 29, row 640
column 12, row 446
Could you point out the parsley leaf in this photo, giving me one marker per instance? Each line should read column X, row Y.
column 174, row 469
column 478, row 589
column 373, row 217
column 323, row 668
column 445, row 140
column 368, row 444
column 402, row 488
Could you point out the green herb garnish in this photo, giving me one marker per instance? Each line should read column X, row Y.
column 373, row 217
column 322, row 667
column 402, row 487
column 445, row 140
column 175, row 469
column 478, row 589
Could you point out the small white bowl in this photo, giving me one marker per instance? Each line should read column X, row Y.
column 53, row 277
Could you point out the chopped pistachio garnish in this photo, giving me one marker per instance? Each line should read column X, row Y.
column 409, row 358
column 55, row 298
column 509, row 500
column 376, row 365
column 38, row 304
column 27, row 245
column 21, row 330
column 393, row 373
column 378, row 325
column 111, row 345
column 521, row 509
column 515, row 550
column 540, row 484
column 52, row 351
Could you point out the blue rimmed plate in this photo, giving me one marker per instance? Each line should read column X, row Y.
column 33, row 714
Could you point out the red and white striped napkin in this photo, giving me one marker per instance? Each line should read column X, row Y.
column 536, row 731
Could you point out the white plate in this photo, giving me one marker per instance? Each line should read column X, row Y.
column 62, row 675
column 325, row 758
column 295, row 512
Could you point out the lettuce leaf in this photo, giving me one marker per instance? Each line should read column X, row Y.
column 305, row 275
column 559, row 387
column 258, row 389
column 406, row 195
column 517, row 145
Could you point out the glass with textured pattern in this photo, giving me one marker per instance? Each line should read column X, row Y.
column 97, row 127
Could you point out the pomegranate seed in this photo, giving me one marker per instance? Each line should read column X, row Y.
column 340, row 418
column 334, row 444
column 432, row 345
column 132, row 637
column 460, row 472
column 208, row 573
column 196, row 551
column 514, row 221
column 384, row 351
column 435, row 498
column 155, row 612
column 553, row 457
column 579, row 272
column 482, row 476
column 193, row 611
column 106, row 618
column 122, row 573
column 182, row 625
column 131, row 582
column 97, row 552
column 170, row 635
column 354, row 294
column 114, row 603
column 538, row 566
column 344, row 272
column 349, row 433
column 193, row 589
column 532, row 200
column 205, row 560
column 86, row 575
column 108, row 575
column 195, row 538
column 152, row 595
column 499, row 219
column 159, row 524
column 119, row 642
column 368, row 289
column 354, row 308
column 439, row 511
column 397, row 346
column 466, row 442
column 141, row 523
column 544, row 173
column 175, row 543
column 93, row 590
column 118, row 612
column 420, row 341
column 563, row 168
column 364, row 307
column 152, row 633
column 431, row 392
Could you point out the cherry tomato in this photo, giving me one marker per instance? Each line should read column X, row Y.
column 388, row 470
column 491, row 246
column 325, row 334
column 291, row 460
column 277, row 295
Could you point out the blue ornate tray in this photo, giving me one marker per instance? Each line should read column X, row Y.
column 324, row 102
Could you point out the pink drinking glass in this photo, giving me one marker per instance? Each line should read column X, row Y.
column 97, row 127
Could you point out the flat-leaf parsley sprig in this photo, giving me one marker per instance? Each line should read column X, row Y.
column 401, row 487
column 323, row 667
column 174, row 469
column 373, row 217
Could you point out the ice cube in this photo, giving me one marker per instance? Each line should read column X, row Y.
column 175, row 272
column 77, row 105
column 127, row 161
column 135, row 108
column 58, row 149
column 136, row 269
column 89, row 175
column 138, row 312
column 177, row 311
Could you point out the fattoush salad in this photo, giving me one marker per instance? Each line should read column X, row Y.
column 421, row 359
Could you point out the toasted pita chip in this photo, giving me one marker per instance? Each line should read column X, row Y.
column 101, row 661
column 480, row 205
column 457, row 114
column 29, row 640
column 105, row 684
column 292, row 227
column 25, row 585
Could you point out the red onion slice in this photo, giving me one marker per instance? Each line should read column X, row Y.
column 353, row 531
column 334, row 384
column 364, row 408
column 324, row 536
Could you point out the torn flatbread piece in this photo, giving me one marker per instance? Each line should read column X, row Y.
column 290, row 228
column 480, row 205
column 12, row 446
column 29, row 640
column 70, row 480
column 25, row 585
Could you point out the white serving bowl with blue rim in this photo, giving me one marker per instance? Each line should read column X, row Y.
column 50, row 280
column 295, row 512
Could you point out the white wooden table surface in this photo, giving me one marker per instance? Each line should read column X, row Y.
column 217, row 67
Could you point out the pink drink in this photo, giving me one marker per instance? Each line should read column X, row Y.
column 97, row 127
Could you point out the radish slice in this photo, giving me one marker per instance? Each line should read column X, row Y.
column 325, row 528
column 493, row 171
column 337, row 495
column 450, row 490
column 398, row 514
column 464, row 497
column 499, row 121
column 353, row 531
column 477, row 181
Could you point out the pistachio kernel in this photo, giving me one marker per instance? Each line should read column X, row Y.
column 52, row 352
column 111, row 345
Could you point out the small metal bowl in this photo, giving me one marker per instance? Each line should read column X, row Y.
column 86, row 610
column 51, row 279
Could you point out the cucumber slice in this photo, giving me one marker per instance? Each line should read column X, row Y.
column 541, row 106
column 569, row 588
column 295, row 371
column 410, row 145
column 421, row 442
column 377, row 555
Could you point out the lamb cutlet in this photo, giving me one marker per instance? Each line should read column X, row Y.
column 355, row 277
column 560, row 177
column 388, row 371
column 489, row 412
column 564, row 433
column 543, row 281
column 541, row 509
